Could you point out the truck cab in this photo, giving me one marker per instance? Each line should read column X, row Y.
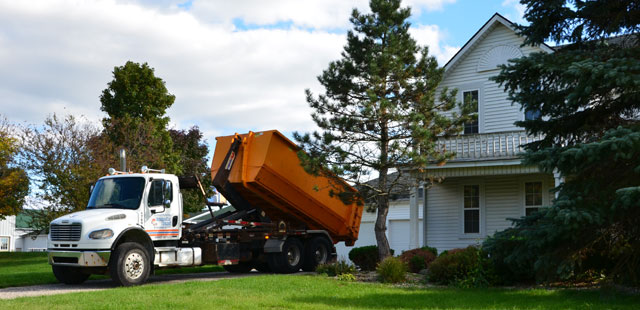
column 135, row 215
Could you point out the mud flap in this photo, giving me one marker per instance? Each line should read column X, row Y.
column 228, row 253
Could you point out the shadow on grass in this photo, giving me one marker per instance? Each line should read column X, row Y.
column 479, row 299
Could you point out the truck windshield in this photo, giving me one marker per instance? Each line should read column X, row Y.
column 119, row 193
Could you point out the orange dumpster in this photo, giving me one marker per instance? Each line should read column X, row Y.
column 267, row 173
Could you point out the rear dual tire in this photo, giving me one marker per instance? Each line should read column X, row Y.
column 289, row 260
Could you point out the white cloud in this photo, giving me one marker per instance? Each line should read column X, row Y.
column 57, row 56
column 518, row 10
column 431, row 36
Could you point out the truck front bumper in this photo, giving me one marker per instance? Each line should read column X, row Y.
column 80, row 258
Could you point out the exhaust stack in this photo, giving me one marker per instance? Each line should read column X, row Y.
column 123, row 160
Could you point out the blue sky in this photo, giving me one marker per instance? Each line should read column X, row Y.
column 233, row 66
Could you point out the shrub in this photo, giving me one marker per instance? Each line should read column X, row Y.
column 430, row 249
column 348, row 277
column 366, row 257
column 392, row 270
column 336, row 269
column 418, row 259
column 468, row 267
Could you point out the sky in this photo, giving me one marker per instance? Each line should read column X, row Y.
column 233, row 66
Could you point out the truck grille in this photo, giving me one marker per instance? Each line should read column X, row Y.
column 65, row 232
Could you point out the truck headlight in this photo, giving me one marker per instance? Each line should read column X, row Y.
column 101, row 234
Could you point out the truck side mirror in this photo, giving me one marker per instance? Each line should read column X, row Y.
column 167, row 203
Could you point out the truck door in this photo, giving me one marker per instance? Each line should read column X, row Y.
column 163, row 211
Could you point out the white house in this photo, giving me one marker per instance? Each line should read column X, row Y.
column 485, row 183
column 15, row 236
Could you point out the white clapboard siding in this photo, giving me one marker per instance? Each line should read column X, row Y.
column 502, row 198
column 497, row 112
column 7, row 229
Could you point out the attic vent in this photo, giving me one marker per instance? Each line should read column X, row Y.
column 498, row 55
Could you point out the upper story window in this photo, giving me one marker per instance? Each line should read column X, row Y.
column 531, row 115
column 471, row 97
column 532, row 197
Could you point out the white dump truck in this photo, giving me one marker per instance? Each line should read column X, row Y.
column 277, row 221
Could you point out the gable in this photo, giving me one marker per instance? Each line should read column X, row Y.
column 471, row 68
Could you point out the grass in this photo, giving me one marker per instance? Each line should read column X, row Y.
column 31, row 268
column 315, row 292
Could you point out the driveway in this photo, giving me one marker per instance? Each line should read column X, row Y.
column 99, row 285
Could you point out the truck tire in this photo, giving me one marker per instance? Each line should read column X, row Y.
column 289, row 260
column 239, row 268
column 130, row 264
column 317, row 251
column 69, row 275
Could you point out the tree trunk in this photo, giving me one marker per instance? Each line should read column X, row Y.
column 383, row 198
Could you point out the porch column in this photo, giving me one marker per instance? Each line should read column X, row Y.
column 414, row 230
column 557, row 179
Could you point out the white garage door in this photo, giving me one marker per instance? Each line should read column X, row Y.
column 366, row 236
column 399, row 235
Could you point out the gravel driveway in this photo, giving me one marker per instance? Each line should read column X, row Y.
column 99, row 285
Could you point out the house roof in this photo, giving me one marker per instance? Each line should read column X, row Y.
column 494, row 20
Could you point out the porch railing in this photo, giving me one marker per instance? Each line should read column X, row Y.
column 497, row 145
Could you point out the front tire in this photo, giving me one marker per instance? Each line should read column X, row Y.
column 130, row 264
column 69, row 275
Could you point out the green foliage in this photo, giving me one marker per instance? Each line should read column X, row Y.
column 379, row 109
column 136, row 102
column 366, row 258
column 430, row 249
column 588, row 96
column 418, row 259
column 347, row 277
column 337, row 268
column 193, row 161
column 392, row 270
column 14, row 184
column 62, row 165
column 468, row 267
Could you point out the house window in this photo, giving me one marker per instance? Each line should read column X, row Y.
column 532, row 114
column 4, row 244
column 532, row 197
column 471, row 209
column 471, row 97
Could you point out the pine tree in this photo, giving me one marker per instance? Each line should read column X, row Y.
column 378, row 114
column 588, row 96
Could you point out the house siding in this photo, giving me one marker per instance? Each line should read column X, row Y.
column 7, row 229
column 502, row 197
column 497, row 114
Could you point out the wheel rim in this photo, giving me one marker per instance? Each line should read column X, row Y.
column 293, row 256
column 320, row 255
column 134, row 265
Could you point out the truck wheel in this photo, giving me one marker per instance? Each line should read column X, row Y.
column 289, row 260
column 316, row 252
column 239, row 268
column 130, row 264
column 69, row 275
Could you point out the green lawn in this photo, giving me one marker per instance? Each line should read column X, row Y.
column 315, row 292
column 23, row 268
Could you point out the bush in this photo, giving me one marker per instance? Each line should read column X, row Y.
column 468, row 267
column 336, row 269
column 348, row 277
column 392, row 270
column 430, row 249
column 418, row 259
column 366, row 257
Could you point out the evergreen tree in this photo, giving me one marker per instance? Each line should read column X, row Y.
column 378, row 113
column 587, row 94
